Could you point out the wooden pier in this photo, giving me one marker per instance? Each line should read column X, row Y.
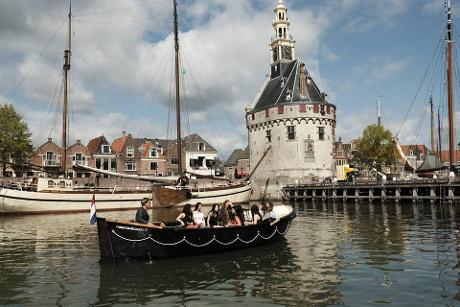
column 433, row 191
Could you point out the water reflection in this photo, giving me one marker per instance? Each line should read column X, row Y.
column 351, row 254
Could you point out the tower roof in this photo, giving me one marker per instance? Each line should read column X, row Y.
column 285, row 89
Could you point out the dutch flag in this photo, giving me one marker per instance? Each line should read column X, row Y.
column 92, row 211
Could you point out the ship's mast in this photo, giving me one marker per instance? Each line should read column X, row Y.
column 66, row 68
column 439, row 133
column 450, row 86
column 433, row 149
column 176, row 60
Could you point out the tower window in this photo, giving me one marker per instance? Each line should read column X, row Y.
column 321, row 133
column 309, row 150
column 284, row 32
column 268, row 135
column 291, row 132
column 280, row 32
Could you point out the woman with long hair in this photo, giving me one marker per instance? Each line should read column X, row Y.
column 255, row 213
column 235, row 219
column 198, row 216
column 186, row 217
column 212, row 219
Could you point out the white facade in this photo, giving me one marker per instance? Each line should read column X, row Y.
column 292, row 117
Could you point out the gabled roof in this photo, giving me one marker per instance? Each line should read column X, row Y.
column 285, row 88
column 192, row 143
column 119, row 144
column 416, row 149
column 49, row 144
column 94, row 145
column 237, row 154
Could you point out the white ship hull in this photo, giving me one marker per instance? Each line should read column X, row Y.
column 27, row 202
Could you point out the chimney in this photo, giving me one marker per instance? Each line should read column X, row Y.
column 79, row 142
column 123, row 132
column 50, row 140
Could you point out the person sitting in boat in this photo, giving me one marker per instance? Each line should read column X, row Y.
column 186, row 217
column 255, row 213
column 235, row 220
column 224, row 217
column 269, row 215
column 212, row 219
column 240, row 214
column 198, row 216
column 142, row 216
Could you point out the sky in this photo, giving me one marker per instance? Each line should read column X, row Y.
column 358, row 52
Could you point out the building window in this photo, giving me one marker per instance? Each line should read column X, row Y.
column 153, row 152
column 106, row 149
column 321, row 133
column 113, row 164
column 175, row 160
column 153, row 166
column 130, row 166
column 291, row 132
column 281, row 109
column 130, row 152
column 201, row 146
column 267, row 113
column 79, row 159
column 268, row 135
column 98, row 163
column 411, row 153
column 253, row 117
column 309, row 150
column 105, row 165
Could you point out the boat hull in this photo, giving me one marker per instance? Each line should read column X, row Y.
column 29, row 202
column 120, row 241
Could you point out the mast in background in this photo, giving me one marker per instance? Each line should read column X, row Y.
column 379, row 115
column 439, row 133
column 176, row 60
column 433, row 148
column 66, row 68
column 450, row 86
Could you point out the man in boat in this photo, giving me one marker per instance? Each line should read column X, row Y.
column 143, row 217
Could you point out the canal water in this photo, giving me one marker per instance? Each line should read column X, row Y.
column 353, row 255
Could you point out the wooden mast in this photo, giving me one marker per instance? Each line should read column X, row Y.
column 439, row 133
column 176, row 60
column 66, row 67
column 433, row 149
column 450, row 86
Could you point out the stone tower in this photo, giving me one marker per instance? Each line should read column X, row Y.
column 292, row 117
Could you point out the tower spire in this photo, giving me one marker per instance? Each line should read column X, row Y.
column 282, row 45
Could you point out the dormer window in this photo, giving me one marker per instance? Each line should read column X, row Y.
column 153, row 152
column 105, row 149
column 130, row 152
column 201, row 146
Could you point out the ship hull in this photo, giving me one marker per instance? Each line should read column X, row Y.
column 29, row 202
column 119, row 241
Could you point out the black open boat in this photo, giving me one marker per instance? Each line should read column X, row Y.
column 122, row 240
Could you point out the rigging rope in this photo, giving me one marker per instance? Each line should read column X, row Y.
column 419, row 88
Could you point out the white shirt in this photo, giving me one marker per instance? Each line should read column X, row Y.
column 268, row 215
column 198, row 218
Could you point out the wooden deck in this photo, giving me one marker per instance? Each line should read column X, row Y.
column 398, row 191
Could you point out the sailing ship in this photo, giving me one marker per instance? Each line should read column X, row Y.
column 60, row 196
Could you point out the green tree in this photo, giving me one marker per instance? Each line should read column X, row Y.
column 15, row 138
column 375, row 148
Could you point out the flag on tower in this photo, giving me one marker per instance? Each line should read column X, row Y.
column 92, row 211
